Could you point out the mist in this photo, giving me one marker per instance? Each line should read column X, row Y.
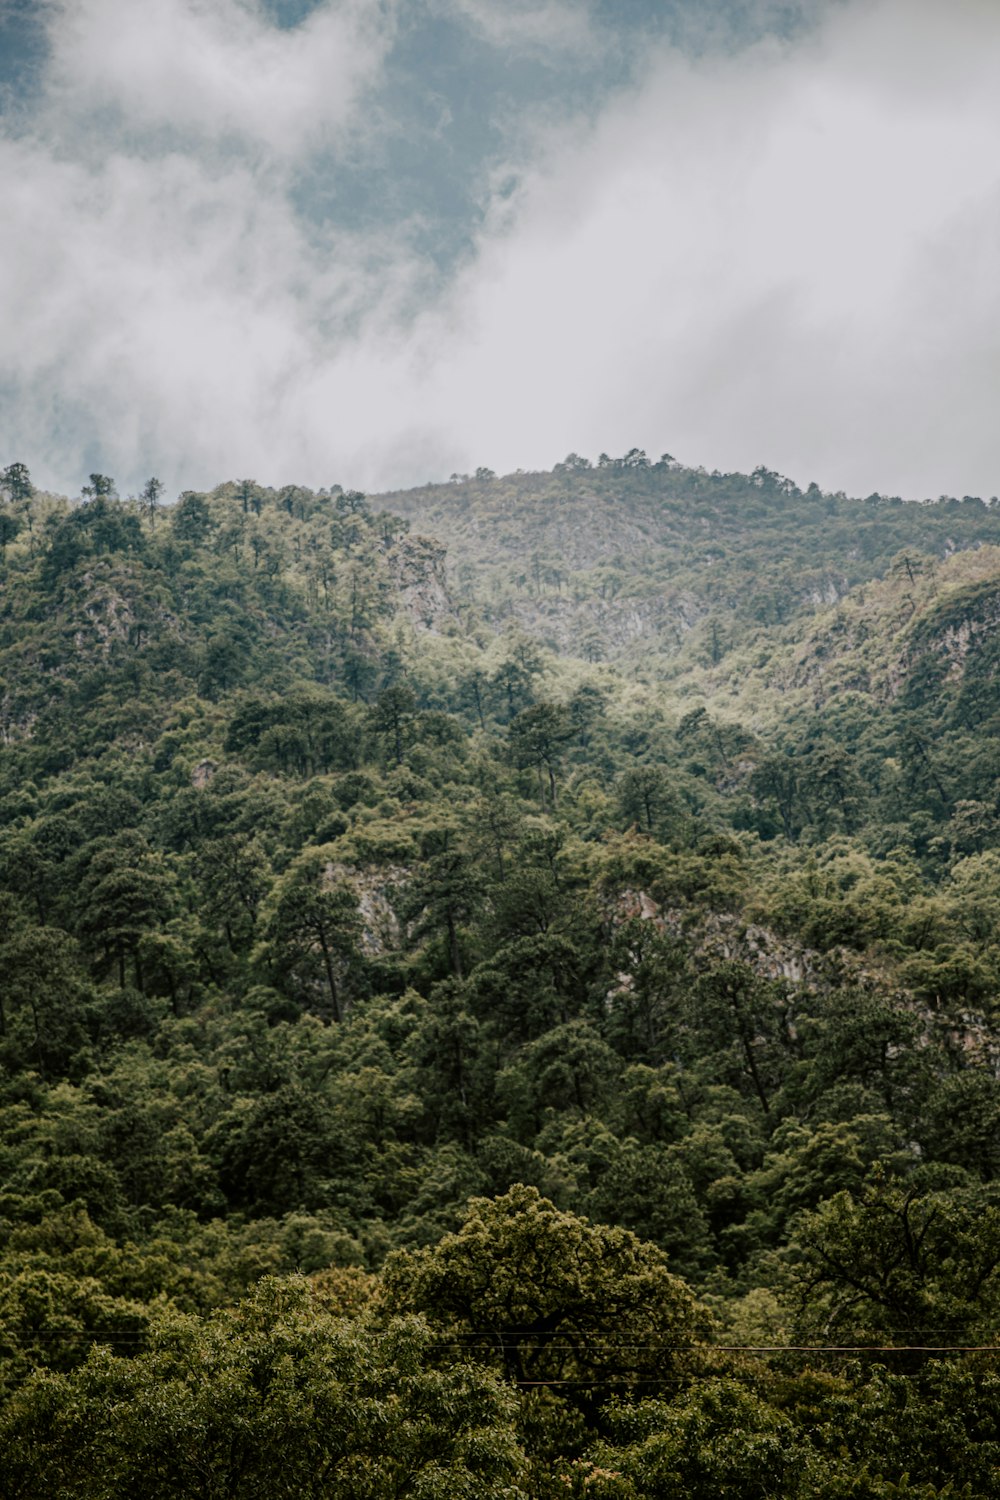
column 767, row 247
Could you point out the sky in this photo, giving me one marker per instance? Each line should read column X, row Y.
column 378, row 242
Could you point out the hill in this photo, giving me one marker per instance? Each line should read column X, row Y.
column 657, row 563
column 384, row 915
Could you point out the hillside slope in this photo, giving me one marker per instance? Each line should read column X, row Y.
column 658, row 562
column 349, row 932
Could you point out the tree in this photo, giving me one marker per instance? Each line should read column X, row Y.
column 126, row 892
column 16, row 480
column 191, row 519
column 223, row 661
column 512, row 682
column 586, row 709
column 776, row 777
column 647, row 797
column 102, row 526
column 896, row 1264
column 535, row 736
column 737, row 1012
column 498, row 824
column 312, row 928
column 276, row 1153
column 527, row 986
column 716, row 1442
column 52, row 1317
column 101, row 487
column 569, row 1069
column 352, row 503
column 699, row 729
column 446, row 891
column 645, row 1008
column 453, row 1066
column 43, row 998
column 646, row 1189
column 275, row 1398
column 149, row 497
column 865, row 1038
column 392, row 718
column 9, row 528
column 248, row 493
column 234, row 876
column 549, row 1296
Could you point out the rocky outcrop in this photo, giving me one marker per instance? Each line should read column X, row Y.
column 723, row 937
column 376, row 888
column 417, row 567
column 604, row 627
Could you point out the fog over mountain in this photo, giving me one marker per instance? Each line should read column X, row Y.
column 377, row 241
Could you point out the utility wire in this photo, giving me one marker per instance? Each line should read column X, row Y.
column 501, row 1341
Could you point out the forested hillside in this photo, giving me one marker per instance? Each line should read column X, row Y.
column 498, row 990
column 662, row 566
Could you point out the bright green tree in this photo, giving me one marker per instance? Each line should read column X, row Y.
column 275, row 1400
column 548, row 1296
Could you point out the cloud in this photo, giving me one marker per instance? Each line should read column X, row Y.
column 166, row 312
column 161, row 295
column 779, row 254
column 554, row 27
column 216, row 69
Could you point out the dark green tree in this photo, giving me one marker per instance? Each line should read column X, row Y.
column 101, row 487
column 149, row 498
column 312, row 931
column 535, row 737
column 392, row 719
column 274, row 1398
column 894, row 1264
column 127, row 890
column 16, row 481
column 43, row 1001
column 647, row 798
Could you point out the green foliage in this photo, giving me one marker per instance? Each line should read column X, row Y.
column 547, row 1296
column 274, row 1398
column 920, row 1267
column 643, row 873
column 311, row 931
column 718, row 1442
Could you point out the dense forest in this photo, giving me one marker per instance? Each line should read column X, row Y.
column 499, row 990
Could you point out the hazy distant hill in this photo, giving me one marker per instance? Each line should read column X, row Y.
column 655, row 560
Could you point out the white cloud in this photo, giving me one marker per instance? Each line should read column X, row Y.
column 160, row 303
column 217, row 68
column 558, row 26
column 170, row 310
column 779, row 257
column 782, row 256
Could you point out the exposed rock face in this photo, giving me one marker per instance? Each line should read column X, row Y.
column 375, row 886
column 714, row 937
column 107, row 617
column 720, row 936
column 112, row 608
column 417, row 566
column 957, row 625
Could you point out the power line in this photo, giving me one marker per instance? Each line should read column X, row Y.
column 503, row 1341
